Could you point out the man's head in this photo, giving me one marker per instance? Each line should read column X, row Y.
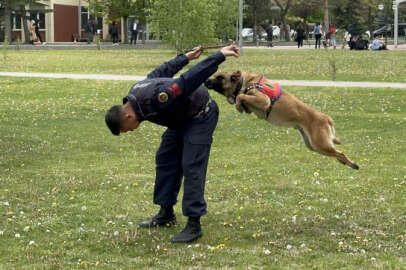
column 121, row 118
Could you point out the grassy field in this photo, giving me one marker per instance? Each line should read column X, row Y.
column 72, row 195
column 277, row 64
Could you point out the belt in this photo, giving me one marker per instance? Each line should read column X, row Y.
column 205, row 110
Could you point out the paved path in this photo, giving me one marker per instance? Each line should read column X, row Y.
column 139, row 78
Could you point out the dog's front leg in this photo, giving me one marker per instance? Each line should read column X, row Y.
column 238, row 104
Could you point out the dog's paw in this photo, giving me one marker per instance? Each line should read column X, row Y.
column 239, row 107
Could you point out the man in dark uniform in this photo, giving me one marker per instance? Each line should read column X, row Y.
column 185, row 107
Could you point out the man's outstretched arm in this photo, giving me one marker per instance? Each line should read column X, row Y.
column 170, row 68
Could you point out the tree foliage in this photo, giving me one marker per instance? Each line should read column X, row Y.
column 185, row 23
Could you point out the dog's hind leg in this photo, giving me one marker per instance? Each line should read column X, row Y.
column 322, row 142
column 305, row 137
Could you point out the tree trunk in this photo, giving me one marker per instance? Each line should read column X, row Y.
column 255, row 30
column 26, row 23
column 125, row 29
column 326, row 21
column 7, row 20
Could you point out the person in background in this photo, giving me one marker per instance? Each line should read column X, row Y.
column 269, row 34
column 333, row 41
column 378, row 44
column 317, row 34
column 33, row 35
column 134, row 32
column 113, row 31
column 37, row 33
column 300, row 35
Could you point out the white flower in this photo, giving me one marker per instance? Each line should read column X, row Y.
column 84, row 208
column 288, row 247
column 316, row 174
column 267, row 252
column 1, row 232
column 26, row 228
column 17, row 235
column 6, row 204
column 116, row 233
column 31, row 243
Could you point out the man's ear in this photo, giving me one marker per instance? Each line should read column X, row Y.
column 128, row 116
column 236, row 76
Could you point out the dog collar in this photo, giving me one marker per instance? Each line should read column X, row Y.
column 238, row 88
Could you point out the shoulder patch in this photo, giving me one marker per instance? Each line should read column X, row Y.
column 175, row 90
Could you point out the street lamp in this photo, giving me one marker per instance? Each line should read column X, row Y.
column 381, row 8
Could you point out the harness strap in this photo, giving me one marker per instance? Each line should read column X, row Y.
column 260, row 88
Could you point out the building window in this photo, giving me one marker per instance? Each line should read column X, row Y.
column 16, row 21
column 85, row 17
column 84, row 13
column 38, row 17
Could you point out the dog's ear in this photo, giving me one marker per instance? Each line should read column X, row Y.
column 236, row 76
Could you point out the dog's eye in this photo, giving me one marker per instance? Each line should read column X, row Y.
column 220, row 77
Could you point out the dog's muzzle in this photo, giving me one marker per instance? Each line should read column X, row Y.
column 217, row 87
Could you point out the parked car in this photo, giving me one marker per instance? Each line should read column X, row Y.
column 247, row 33
column 389, row 30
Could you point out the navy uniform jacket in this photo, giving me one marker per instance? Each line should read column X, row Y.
column 171, row 102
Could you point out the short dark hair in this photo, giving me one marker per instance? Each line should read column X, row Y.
column 114, row 119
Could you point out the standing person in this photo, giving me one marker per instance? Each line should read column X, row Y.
column 37, row 33
column 269, row 34
column 317, row 34
column 300, row 34
column 33, row 35
column 184, row 106
column 333, row 31
column 113, row 31
column 90, row 31
column 134, row 32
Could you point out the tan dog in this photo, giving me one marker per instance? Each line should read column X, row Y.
column 253, row 93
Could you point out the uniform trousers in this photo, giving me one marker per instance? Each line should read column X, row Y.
column 184, row 153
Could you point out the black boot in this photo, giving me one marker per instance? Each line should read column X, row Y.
column 165, row 217
column 191, row 232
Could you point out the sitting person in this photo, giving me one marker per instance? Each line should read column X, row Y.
column 378, row 44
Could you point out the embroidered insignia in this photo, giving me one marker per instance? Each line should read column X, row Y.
column 163, row 97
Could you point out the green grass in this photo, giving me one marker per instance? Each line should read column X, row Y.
column 276, row 64
column 78, row 192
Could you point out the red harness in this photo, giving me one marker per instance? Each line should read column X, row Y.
column 272, row 89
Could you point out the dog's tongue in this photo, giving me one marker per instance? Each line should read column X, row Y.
column 231, row 100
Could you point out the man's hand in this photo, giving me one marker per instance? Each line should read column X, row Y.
column 195, row 53
column 231, row 50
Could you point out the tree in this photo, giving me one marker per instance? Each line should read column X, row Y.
column 184, row 23
column 7, row 18
column 257, row 14
column 308, row 10
column 225, row 19
column 326, row 19
column 284, row 5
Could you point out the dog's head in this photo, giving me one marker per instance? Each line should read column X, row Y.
column 226, row 83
